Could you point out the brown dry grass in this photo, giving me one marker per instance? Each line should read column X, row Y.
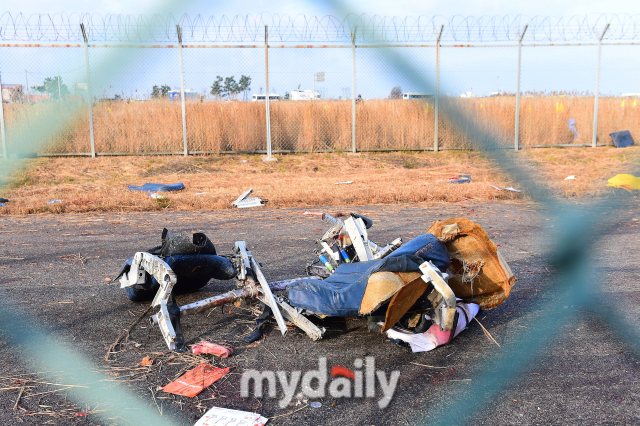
column 156, row 125
column 100, row 185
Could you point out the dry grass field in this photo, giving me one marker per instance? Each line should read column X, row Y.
column 303, row 180
column 156, row 126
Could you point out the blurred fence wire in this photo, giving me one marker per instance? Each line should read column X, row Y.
column 572, row 82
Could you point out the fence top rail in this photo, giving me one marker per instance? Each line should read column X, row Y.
column 308, row 46
column 63, row 27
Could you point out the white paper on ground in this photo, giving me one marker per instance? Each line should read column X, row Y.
column 217, row 416
column 343, row 183
column 424, row 342
column 495, row 187
column 512, row 189
column 570, row 177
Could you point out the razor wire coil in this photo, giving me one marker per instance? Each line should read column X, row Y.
column 63, row 27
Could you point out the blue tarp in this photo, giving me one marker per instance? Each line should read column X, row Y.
column 157, row 187
column 341, row 294
column 621, row 139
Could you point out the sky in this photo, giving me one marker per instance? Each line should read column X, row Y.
column 477, row 70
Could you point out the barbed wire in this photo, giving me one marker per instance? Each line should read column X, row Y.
column 63, row 27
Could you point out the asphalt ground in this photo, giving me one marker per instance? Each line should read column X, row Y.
column 53, row 269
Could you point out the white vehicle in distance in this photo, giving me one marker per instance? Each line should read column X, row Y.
column 262, row 97
column 416, row 95
column 304, row 95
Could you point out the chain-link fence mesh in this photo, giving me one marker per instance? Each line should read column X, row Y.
column 128, row 116
column 394, row 113
column 138, row 108
column 52, row 77
column 557, row 105
column 314, row 113
column 219, row 83
column 619, row 74
column 481, row 82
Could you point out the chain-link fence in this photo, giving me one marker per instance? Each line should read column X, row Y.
column 221, row 88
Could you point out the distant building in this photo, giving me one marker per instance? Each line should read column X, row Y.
column 189, row 95
column 38, row 98
column 467, row 95
column 304, row 95
column 416, row 95
column 262, row 97
column 12, row 92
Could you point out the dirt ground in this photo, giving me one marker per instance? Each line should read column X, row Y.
column 305, row 180
column 54, row 269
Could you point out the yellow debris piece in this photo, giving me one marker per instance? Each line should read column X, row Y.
column 628, row 182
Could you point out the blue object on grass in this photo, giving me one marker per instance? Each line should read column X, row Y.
column 54, row 201
column 157, row 187
column 621, row 139
column 461, row 179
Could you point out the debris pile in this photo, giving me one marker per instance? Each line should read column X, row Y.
column 423, row 292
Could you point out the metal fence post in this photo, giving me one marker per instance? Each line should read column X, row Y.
column 595, row 103
column 266, row 97
column 2, row 130
column 517, row 126
column 89, row 100
column 184, row 113
column 353, row 91
column 435, row 128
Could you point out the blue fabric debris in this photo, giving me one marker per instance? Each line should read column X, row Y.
column 461, row 179
column 341, row 294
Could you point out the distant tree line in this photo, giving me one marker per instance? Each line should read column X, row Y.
column 228, row 87
column 160, row 91
column 52, row 86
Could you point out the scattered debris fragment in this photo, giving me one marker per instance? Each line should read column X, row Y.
column 196, row 380
column 157, row 187
column 217, row 416
column 316, row 404
column 625, row 181
column 147, row 360
column 344, row 183
column 507, row 189
column 3, row 200
column 156, row 196
column 621, row 139
column 211, row 348
column 200, row 193
column 244, row 202
column 572, row 177
column 434, row 337
column 54, row 201
column 480, row 273
column 460, row 179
